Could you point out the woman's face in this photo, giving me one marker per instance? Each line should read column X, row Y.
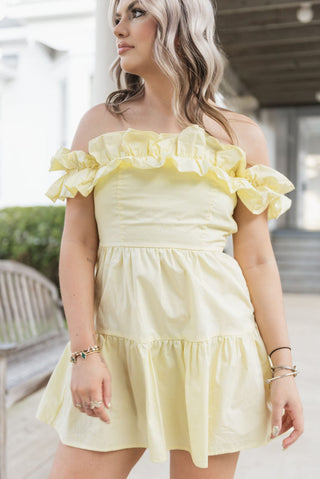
column 136, row 27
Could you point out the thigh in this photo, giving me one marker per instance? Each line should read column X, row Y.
column 72, row 462
column 221, row 466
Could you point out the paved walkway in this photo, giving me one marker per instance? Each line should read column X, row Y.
column 31, row 444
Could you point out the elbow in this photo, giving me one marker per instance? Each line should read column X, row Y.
column 79, row 247
column 254, row 261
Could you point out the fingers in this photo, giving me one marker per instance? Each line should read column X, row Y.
column 91, row 388
column 88, row 410
column 106, row 392
column 293, row 417
column 94, row 408
column 276, row 419
column 82, row 406
column 296, row 420
column 100, row 412
column 286, row 423
column 291, row 438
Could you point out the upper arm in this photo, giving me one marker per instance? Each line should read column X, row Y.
column 252, row 243
column 80, row 224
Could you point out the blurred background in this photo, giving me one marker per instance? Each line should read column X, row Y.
column 54, row 61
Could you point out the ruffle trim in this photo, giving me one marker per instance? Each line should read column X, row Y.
column 192, row 150
column 207, row 397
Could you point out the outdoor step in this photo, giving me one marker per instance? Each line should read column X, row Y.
column 297, row 263
column 297, row 254
column 300, row 288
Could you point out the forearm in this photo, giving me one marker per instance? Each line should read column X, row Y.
column 265, row 290
column 76, row 273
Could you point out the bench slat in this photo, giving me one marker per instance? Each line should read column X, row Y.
column 27, row 331
column 4, row 334
column 16, row 318
column 35, row 304
column 44, row 319
column 8, row 327
column 50, row 307
column 27, row 305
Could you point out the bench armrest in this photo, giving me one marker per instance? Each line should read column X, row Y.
column 7, row 348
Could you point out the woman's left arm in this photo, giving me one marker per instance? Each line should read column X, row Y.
column 253, row 250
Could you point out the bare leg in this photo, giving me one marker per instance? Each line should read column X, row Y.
column 72, row 462
column 221, row 466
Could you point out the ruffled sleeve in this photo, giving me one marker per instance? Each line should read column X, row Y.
column 260, row 187
column 80, row 171
column 193, row 150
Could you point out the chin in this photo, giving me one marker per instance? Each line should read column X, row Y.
column 133, row 69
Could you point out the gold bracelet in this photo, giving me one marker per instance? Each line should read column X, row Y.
column 84, row 353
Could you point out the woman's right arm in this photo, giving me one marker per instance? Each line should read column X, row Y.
column 78, row 252
column 91, row 378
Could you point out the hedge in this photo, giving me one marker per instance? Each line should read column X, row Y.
column 32, row 235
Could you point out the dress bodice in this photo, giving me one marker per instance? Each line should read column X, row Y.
column 181, row 187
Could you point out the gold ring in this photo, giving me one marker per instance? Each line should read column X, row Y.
column 79, row 405
column 94, row 404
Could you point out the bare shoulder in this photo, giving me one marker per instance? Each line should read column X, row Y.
column 94, row 122
column 249, row 134
column 251, row 138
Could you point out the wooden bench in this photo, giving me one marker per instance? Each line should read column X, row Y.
column 33, row 335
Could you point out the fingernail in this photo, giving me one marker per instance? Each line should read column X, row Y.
column 109, row 405
column 275, row 430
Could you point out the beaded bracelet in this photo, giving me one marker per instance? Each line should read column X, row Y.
column 84, row 353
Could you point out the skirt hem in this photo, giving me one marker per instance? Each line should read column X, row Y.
column 197, row 462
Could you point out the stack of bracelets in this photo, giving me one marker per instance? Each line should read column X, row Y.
column 84, row 353
column 96, row 349
column 293, row 370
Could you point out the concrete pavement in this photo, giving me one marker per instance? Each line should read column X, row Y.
column 27, row 436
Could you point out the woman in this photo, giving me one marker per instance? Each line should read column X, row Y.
column 179, row 331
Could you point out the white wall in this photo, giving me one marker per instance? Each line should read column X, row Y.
column 30, row 112
column 34, row 119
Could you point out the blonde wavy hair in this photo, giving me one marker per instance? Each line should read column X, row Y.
column 195, row 67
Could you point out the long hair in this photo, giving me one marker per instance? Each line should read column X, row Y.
column 195, row 67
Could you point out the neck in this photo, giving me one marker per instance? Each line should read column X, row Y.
column 158, row 95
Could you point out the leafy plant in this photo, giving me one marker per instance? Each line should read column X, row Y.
column 32, row 235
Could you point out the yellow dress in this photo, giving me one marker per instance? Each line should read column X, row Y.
column 173, row 311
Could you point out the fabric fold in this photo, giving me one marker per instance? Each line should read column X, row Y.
column 193, row 150
column 170, row 394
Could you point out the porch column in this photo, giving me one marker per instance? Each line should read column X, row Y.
column 105, row 54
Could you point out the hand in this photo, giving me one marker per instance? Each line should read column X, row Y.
column 91, row 381
column 285, row 396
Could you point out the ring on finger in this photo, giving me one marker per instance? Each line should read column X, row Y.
column 95, row 404
column 92, row 404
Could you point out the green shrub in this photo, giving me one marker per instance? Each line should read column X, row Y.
column 32, row 235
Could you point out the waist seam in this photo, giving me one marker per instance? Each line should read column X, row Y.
column 221, row 336
column 122, row 245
